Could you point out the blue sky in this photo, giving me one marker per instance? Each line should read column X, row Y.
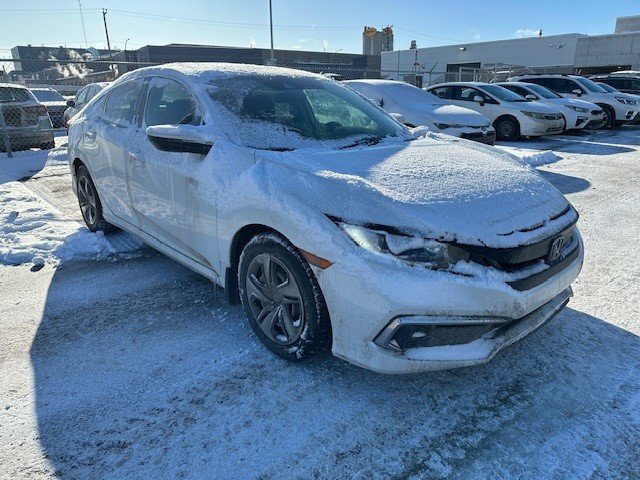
column 311, row 25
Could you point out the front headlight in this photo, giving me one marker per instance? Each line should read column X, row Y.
column 626, row 101
column 541, row 116
column 413, row 250
column 578, row 109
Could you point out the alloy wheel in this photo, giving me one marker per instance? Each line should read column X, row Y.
column 87, row 198
column 275, row 299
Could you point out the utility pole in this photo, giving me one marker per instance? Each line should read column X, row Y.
column 273, row 58
column 106, row 30
column 84, row 32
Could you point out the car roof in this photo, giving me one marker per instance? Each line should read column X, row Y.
column 205, row 72
column 12, row 85
column 465, row 84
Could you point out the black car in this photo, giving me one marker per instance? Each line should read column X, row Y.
column 626, row 83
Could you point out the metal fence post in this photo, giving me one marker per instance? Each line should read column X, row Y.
column 5, row 134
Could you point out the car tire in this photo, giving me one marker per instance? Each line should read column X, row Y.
column 89, row 201
column 507, row 129
column 609, row 117
column 282, row 299
column 48, row 145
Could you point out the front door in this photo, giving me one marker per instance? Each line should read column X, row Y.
column 166, row 186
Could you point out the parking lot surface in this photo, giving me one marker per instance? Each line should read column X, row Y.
column 117, row 362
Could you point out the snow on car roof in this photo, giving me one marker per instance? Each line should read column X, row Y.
column 204, row 72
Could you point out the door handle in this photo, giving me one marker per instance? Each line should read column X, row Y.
column 136, row 159
column 90, row 135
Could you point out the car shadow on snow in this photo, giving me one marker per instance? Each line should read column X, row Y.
column 566, row 183
column 141, row 367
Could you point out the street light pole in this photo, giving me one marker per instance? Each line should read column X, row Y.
column 125, row 44
column 84, row 32
column 273, row 58
column 106, row 31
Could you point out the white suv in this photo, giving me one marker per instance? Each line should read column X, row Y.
column 511, row 115
column 618, row 109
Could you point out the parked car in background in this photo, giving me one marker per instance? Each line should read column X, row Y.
column 626, row 83
column 332, row 223
column 25, row 119
column 419, row 107
column 55, row 103
column 627, row 96
column 511, row 115
column 617, row 110
column 578, row 114
column 82, row 97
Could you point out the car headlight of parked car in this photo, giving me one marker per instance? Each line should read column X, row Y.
column 413, row 250
column 626, row 101
column 578, row 109
column 541, row 116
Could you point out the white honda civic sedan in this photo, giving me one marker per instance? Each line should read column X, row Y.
column 333, row 224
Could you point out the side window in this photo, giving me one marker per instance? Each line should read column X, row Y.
column 520, row 91
column 565, row 85
column 467, row 94
column 81, row 96
column 169, row 103
column 443, row 92
column 633, row 85
column 545, row 82
column 120, row 103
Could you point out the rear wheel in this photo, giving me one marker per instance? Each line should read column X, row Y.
column 282, row 299
column 507, row 129
column 90, row 205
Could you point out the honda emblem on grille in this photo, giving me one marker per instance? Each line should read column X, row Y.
column 555, row 249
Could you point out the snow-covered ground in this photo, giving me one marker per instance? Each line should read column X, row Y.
column 116, row 362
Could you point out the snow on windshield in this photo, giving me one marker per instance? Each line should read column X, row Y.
column 282, row 112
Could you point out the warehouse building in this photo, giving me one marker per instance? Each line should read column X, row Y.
column 486, row 61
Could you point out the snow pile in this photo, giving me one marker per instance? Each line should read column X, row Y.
column 540, row 158
column 32, row 232
column 27, row 163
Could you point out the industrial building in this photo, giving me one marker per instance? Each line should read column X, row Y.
column 484, row 61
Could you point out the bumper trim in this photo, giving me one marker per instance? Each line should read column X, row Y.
column 485, row 348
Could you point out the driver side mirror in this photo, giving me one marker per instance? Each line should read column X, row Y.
column 479, row 99
column 530, row 96
column 71, row 103
column 180, row 138
column 577, row 92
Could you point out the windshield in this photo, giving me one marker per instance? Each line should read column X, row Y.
column 590, row 85
column 408, row 94
column 542, row 91
column 48, row 95
column 281, row 112
column 503, row 94
column 8, row 95
column 609, row 88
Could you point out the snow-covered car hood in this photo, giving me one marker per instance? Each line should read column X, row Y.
column 449, row 114
column 437, row 187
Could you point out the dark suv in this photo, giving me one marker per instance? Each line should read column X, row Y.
column 623, row 83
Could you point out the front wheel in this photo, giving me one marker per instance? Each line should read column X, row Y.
column 609, row 117
column 507, row 129
column 90, row 205
column 282, row 299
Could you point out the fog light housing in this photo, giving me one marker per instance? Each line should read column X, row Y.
column 437, row 331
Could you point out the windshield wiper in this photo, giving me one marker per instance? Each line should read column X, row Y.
column 363, row 141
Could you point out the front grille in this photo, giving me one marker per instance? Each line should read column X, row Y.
column 554, row 116
column 596, row 112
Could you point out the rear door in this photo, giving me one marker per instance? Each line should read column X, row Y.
column 107, row 140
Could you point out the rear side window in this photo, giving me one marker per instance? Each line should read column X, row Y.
column 120, row 103
column 81, row 96
column 9, row 94
column 443, row 92
column 170, row 103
